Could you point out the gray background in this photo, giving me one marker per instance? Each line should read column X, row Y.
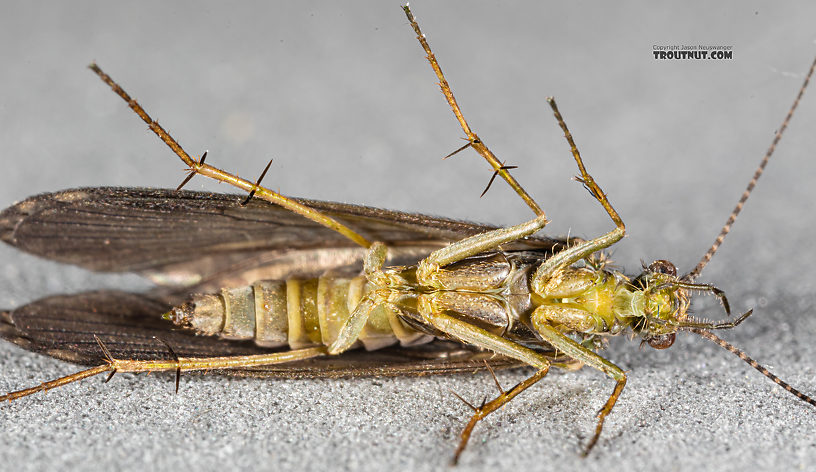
column 344, row 100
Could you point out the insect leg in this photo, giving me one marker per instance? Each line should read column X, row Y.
column 353, row 326
column 585, row 178
column 493, row 405
column 474, row 335
column 583, row 250
column 463, row 248
column 569, row 256
column 372, row 263
column 199, row 167
column 428, row 267
column 492, row 239
column 473, row 140
column 569, row 347
column 180, row 364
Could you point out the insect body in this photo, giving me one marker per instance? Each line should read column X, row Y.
column 508, row 297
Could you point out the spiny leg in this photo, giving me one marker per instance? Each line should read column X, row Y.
column 473, row 140
column 199, row 167
column 466, row 247
column 45, row 386
column 176, row 364
column 482, row 411
column 583, row 250
column 585, row 178
column 476, row 336
column 374, row 260
column 493, row 239
column 569, row 347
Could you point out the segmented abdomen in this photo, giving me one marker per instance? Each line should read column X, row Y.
column 300, row 313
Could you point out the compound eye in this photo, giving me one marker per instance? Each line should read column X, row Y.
column 663, row 267
column 664, row 341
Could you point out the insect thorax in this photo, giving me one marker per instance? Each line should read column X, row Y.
column 590, row 300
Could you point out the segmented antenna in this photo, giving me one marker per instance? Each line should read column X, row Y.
column 762, row 370
column 757, row 174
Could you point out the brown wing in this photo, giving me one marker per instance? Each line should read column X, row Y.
column 210, row 241
column 186, row 237
column 130, row 326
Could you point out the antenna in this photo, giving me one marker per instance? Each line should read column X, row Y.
column 762, row 370
column 751, row 184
